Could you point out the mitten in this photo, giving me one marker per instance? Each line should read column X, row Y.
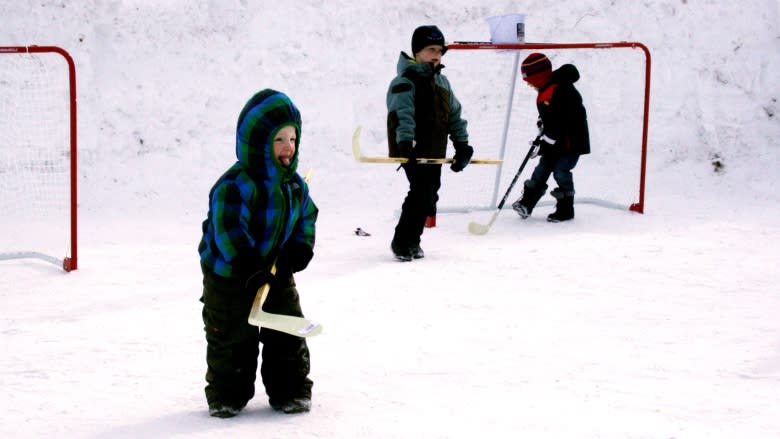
column 544, row 144
column 294, row 257
column 260, row 278
column 463, row 153
column 535, row 148
column 407, row 150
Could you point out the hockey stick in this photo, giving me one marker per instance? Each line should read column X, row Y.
column 481, row 229
column 298, row 326
column 424, row 161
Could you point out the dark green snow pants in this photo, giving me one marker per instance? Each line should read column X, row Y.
column 233, row 344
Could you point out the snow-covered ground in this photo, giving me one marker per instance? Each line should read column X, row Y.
column 614, row 325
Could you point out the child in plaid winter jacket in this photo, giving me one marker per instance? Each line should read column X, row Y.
column 259, row 212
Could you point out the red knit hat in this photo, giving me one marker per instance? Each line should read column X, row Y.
column 536, row 69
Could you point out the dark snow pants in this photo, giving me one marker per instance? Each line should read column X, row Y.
column 560, row 166
column 233, row 344
column 420, row 203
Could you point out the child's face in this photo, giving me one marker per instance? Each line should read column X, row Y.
column 538, row 80
column 284, row 145
column 429, row 54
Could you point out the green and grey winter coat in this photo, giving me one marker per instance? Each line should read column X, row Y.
column 257, row 206
column 421, row 107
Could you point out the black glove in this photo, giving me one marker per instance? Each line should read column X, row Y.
column 535, row 151
column 294, row 257
column 260, row 278
column 463, row 153
column 406, row 150
column 542, row 146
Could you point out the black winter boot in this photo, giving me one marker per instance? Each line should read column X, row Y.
column 401, row 252
column 417, row 252
column 564, row 207
column 531, row 195
column 295, row 405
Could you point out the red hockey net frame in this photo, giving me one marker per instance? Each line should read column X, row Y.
column 640, row 204
column 70, row 262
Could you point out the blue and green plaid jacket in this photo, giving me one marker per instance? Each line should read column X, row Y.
column 257, row 206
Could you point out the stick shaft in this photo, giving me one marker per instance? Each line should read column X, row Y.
column 298, row 326
column 358, row 154
column 481, row 229
column 517, row 176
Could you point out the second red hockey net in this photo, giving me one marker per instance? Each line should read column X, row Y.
column 501, row 113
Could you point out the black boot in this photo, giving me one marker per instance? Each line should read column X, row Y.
column 564, row 207
column 401, row 252
column 531, row 195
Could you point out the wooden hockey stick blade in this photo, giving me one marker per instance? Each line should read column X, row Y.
column 481, row 229
column 297, row 326
column 293, row 325
column 358, row 155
